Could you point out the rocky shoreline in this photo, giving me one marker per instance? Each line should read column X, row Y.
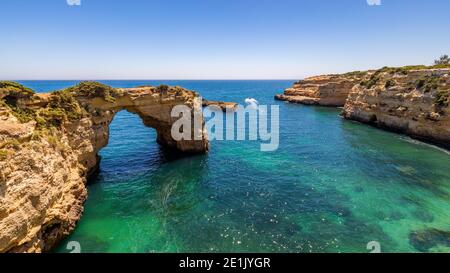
column 411, row 100
column 221, row 104
column 326, row 90
column 49, row 145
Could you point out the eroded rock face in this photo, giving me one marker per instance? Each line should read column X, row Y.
column 415, row 102
column 409, row 100
column 43, row 169
column 327, row 90
column 230, row 106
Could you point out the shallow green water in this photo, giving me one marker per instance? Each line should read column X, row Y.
column 333, row 186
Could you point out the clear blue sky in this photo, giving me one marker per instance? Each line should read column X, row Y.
column 216, row 39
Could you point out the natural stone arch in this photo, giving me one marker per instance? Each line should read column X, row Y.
column 154, row 107
column 43, row 173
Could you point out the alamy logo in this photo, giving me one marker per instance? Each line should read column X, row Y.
column 74, row 247
column 374, row 247
column 374, row 2
column 73, row 2
column 231, row 125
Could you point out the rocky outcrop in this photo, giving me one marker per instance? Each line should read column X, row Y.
column 413, row 102
column 327, row 90
column 231, row 106
column 49, row 145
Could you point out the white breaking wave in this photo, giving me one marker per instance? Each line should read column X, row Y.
column 252, row 103
column 418, row 142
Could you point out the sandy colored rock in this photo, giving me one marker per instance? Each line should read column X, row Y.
column 410, row 100
column 221, row 104
column 404, row 102
column 43, row 172
column 327, row 90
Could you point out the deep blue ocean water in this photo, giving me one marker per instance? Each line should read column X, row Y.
column 332, row 186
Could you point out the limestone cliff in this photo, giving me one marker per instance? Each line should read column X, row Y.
column 49, row 145
column 413, row 102
column 326, row 90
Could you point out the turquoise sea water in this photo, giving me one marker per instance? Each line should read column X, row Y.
column 332, row 186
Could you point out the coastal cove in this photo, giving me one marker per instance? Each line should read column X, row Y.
column 334, row 185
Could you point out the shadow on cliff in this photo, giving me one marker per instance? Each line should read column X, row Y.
column 2, row 189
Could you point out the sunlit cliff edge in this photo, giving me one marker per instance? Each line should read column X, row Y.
column 413, row 100
column 49, row 146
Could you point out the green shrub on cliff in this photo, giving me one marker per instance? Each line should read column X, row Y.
column 14, row 90
column 62, row 106
column 51, row 117
column 355, row 74
column 94, row 89
column 373, row 80
column 22, row 114
column 428, row 83
column 3, row 155
column 389, row 83
column 393, row 70
column 437, row 66
column 442, row 97
column 421, row 67
column 162, row 88
column 10, row 94
column 420, row 83
column 66, row 102
column 443, row 60
column 55, row 142
column 10, row 144
column 405, row 69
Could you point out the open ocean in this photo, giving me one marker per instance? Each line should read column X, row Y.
column 332, row 186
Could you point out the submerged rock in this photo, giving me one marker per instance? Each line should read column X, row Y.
column 425, row 240
column 49, row 145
